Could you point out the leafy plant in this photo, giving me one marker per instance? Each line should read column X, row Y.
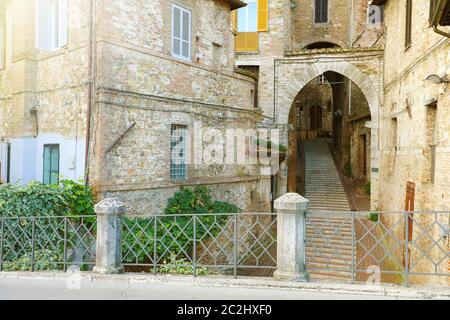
column 48, row 260
column 43, row 203
column 374, row 216
column 39, row 200
column 175, row 230
column 80, row 198
column 182, row 267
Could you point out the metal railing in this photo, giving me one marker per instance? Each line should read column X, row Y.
column 200, row 244
column 388, row 247
column 47, row 243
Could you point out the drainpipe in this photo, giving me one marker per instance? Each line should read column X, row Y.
column 90, row 90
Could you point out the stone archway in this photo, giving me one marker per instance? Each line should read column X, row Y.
column 297, row 76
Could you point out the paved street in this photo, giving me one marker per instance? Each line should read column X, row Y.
column 11, row 288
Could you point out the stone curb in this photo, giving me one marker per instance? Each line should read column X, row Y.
column 252, row 283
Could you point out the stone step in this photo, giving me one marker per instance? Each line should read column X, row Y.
column 326, row 264
column 342, row 262
column 321, row 252
column 318, row 232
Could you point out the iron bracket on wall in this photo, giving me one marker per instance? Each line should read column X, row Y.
column 120, row 138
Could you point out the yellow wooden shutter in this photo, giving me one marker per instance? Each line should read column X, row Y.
column 234, row 20
column 263, row 15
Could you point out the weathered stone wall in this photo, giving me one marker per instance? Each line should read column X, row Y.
column 406, row 99
column 347, row 25
column 43, row 96
column 141, row 83
column 310, row 96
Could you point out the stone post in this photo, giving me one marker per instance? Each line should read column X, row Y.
column 109, row 236
column 291, row 209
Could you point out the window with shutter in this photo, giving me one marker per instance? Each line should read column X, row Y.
column 51, row 24
column 181, row 32
column 321, row 11
column 408, row 26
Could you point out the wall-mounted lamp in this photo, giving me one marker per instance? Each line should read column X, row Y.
column 434, row 78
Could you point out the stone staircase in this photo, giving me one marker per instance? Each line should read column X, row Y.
column 328, row 235
column 323, row 186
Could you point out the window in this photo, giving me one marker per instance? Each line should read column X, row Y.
column 375, row 15
column 51, row 164
column 51, row 24
column 321, row 11
column 248, row 17
column 408, row 25
column 181, row 32
column 178, row 152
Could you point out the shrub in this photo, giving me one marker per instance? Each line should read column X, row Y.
column 177, row 224
column 37, row 199
column 374, row 217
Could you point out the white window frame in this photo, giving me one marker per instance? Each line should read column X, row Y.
column 182, row 10
column 51, row 30
column 247, row 11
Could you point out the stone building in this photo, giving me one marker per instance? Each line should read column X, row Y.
column 111, row 91
column 415, row 117
column 323, row 60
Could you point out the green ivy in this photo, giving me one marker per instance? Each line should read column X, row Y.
column 35, row 199
column 38, row 200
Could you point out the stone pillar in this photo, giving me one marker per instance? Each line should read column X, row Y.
column 291, row 209
column 109, row 236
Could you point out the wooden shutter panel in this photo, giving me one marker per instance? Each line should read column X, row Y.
column 263, row 15
column 42, row 25
column 63, row 17
column 234, row 14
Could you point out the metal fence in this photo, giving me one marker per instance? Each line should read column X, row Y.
column 387, row 247
column 47, row 243
column 200, row 244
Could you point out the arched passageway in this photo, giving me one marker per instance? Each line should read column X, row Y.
column 337, row 121
column 330, row 144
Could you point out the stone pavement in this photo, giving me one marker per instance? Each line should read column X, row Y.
column 146, row 287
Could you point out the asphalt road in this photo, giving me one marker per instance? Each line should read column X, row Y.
column 45, row 289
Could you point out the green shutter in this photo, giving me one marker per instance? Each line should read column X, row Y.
column 51, row 164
